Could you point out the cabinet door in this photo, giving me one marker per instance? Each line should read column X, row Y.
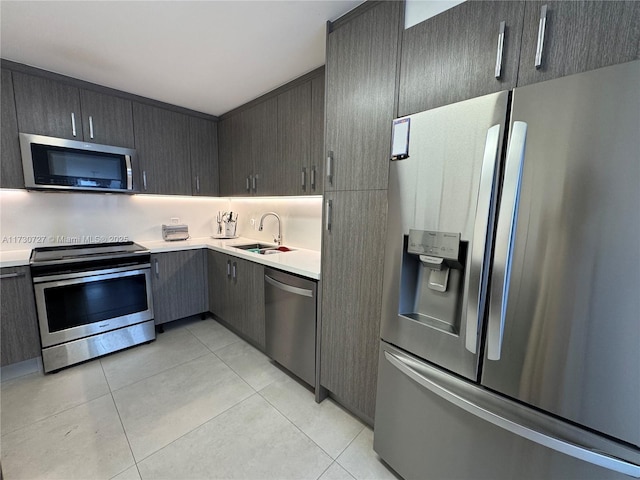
column 263, row 125
column 453, row 56
column 316, row 164
column 20, row 335
column 294, row 141
column 203, row 140
column 47, row 107
column 10, row 160
column 106, row 119
column 226, row 155
column 578, row 36
column 249, row 292
column 352, row 263
column 219, row 275
column 241, row 146
column 361, row 74
column 179, row 285
column 162, row 145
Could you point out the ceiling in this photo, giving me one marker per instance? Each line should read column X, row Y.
column 210, row 56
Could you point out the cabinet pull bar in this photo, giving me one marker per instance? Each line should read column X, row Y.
column 235, row 272
column 313, row 177
column 542, row 24
column 157, row 269
column 90, row 126
column 255, row 183
column 12, row 275
column 198, row 183
column 328, row 207
column 329, row 165
column 228, row 268
column 500, row 49
column 248, row 184
column 73, row 124
column 304, row 178
column 144, row 179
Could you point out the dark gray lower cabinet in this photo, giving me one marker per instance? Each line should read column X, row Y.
column 352, row 264
column 179, row 284
column 236, row 295
column 20, row 333
column 11, row 164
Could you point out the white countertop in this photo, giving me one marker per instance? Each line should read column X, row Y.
column 299, row 261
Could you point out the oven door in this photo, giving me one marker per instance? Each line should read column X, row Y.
column 77, row 305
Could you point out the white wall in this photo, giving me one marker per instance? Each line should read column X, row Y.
column 34, row 219
column 417, row 11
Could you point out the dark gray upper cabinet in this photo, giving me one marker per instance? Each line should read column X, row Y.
column 316, row 160
column 10, row 161
column 47, row 107
column 162, row 146
column 352, row 265
column 106, row 119
column 263, row 121
column 361, row 77
column 294, row 140
column 578, row 36
column 203, row 143
column 179, row 284
column 20, row 334
column 455, row 55
column 226, row 154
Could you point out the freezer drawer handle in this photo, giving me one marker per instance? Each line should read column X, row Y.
column 474, row 300
column 542, row 25
column 505, row 236
column 509, row 422
column 498, row 71
column 288, row 288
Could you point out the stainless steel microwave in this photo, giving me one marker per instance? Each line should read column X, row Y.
column 61, row 164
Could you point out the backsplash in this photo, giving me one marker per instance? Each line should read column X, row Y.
column 36, row 219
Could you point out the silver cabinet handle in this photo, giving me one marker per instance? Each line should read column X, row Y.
column 498, row 71
column 329, row 166
column 144, row 179
column 516, row 419
column 313, row 177
column 254, row 181
column 505, row 236
column 235, row 272
column 157, row 268
column 90, row 126
column 476, row 294
column 542, row 25
column 127, row 161
column 228, row 268
column 304, row 178
column 248, row 183
column 198, row 183
column 288, row 288
column 328, row 214
column 73, row 124
column 12, row 275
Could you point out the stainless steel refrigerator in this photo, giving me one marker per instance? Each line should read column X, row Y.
column 510, row 336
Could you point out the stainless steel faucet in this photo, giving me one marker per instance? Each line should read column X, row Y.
column 278, row 239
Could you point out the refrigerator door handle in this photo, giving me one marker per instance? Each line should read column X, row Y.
column 519, row 420
column 474, row 300
column 505, row 235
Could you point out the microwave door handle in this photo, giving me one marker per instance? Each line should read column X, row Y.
column 505, row 236
column 476, row 291
column 127, row 160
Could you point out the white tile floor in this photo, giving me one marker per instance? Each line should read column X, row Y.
column 199, row 402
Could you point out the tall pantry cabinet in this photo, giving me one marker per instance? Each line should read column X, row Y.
column 362, row 52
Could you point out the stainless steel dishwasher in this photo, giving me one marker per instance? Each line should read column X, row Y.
column 290, row 317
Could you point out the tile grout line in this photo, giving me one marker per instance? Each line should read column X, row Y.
column 124, row 430
column 345, row 449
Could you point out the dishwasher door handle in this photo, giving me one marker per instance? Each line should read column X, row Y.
column 288, row 288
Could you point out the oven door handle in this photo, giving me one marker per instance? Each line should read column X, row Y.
column 93, row 276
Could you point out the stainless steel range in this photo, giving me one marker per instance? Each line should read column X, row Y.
column 91, row 300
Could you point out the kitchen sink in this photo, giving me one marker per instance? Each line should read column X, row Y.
column 263, row 248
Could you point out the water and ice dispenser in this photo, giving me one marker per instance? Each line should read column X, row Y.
column 432, row 278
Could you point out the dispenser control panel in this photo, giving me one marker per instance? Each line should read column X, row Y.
column 435, row 244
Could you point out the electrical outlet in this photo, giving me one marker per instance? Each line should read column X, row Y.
column 252, row 222
column 175, row 220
